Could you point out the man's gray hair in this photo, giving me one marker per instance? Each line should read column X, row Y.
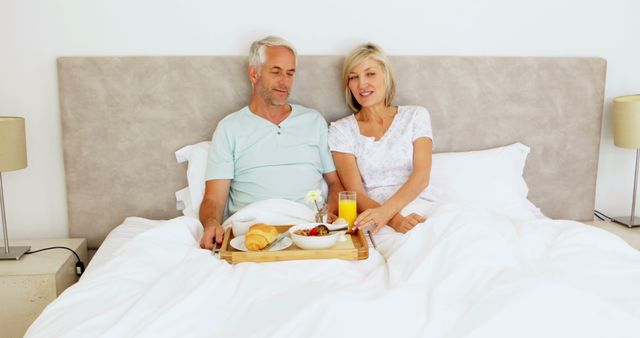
column 257, row 55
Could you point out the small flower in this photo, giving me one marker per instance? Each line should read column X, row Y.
column 314, row 196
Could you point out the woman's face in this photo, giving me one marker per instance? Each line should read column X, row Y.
column 366, row 82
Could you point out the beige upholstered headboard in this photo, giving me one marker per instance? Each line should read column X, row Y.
column 123, row 118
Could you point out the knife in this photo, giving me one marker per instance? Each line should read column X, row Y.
column 286, row 233
column 216, row 249
column 371, row 239
column 278, row 239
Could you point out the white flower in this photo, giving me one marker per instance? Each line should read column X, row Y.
column 313, row 196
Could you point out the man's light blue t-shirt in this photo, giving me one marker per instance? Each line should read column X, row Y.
column 264, row 160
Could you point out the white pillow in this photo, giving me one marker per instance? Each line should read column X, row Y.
column 489, row 178
column 183, row 202
column 196, row 157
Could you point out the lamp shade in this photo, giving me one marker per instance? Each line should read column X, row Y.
column 13, row 150
column 626, row 121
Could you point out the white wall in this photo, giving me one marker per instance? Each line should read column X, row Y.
column 34, row 33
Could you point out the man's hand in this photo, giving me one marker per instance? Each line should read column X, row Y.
column 216, row 193
column 335, row 186
column 331, row 217
column 212, row 232
column 405, row 224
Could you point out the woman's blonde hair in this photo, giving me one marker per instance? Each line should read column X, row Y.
column 357, row 56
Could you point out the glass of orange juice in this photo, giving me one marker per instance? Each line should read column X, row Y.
column 347, row 207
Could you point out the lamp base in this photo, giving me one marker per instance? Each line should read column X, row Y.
column 628, row 221
column 15, row 252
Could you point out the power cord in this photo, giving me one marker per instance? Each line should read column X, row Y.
column 79, row 263
column 601, row 216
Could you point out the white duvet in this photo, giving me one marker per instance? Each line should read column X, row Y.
column 464, row 272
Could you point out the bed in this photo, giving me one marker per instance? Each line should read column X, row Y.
column 502, row 252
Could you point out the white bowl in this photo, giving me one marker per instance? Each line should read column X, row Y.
column 313, row 242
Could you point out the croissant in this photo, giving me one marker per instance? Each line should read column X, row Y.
column 259, row 236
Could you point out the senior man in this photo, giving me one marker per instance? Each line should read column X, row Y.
column 268, row 149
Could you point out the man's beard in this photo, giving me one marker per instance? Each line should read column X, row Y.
column 267, row 95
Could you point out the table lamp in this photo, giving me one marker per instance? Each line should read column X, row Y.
column 13, row 156
column 626, row 134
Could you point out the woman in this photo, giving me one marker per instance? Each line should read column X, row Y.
column 381, row 152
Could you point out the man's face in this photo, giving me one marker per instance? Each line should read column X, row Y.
column 274, row 79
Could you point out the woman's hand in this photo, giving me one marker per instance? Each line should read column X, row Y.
column 404, row 224
column 375, row 217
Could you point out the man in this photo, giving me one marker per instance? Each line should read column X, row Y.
column 269, row 149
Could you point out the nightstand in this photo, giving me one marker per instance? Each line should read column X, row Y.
column 28, row 285
column 630, row 235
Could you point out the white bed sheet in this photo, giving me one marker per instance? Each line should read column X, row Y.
column 465, row 272
column 118, row 237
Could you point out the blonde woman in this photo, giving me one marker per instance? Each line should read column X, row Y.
column 382, row 152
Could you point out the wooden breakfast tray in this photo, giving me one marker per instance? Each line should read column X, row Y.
column 354, row 248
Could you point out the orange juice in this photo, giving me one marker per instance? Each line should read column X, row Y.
column 347, row 207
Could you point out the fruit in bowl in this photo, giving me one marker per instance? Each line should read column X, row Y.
column 313, row 236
